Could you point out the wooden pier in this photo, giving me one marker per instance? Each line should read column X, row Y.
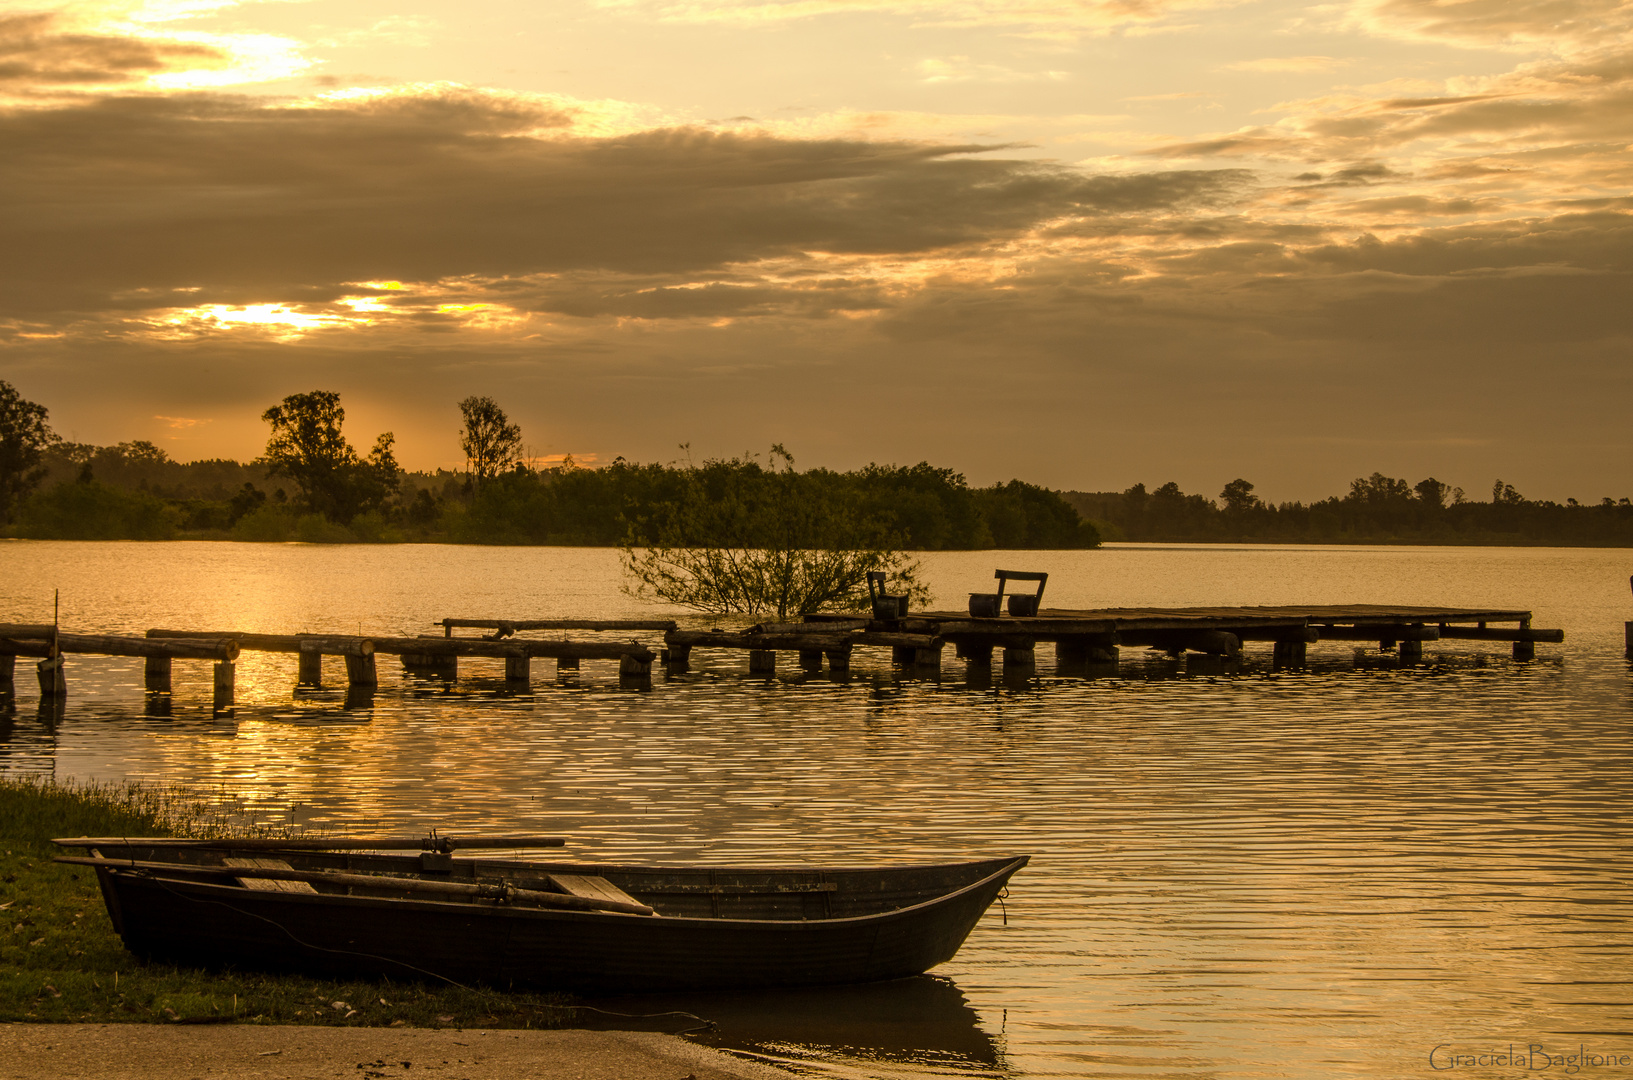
column 431, row 655
column 1091, row 637
column 1084, row 641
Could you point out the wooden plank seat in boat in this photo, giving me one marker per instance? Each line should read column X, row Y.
column 268, row 884
column 596, row 888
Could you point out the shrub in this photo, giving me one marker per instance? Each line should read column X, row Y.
column 268, row 525
column 91, row 510
column 317, row 529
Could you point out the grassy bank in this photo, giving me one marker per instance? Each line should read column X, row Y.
column 61, row 961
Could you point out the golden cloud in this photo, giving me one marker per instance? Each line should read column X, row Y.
column 1566, row 25
column 1049, row 16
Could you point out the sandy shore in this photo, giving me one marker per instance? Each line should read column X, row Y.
column 256, row 1052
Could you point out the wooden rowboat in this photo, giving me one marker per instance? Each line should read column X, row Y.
column 587, row 927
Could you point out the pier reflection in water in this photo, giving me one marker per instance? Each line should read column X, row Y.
column 1236, row 874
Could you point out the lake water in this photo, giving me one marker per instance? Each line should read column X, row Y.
column 1327, row 873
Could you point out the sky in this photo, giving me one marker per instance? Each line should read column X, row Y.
column 1086, row 243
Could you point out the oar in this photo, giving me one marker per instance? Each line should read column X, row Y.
column 333, row 843
column 496, row 891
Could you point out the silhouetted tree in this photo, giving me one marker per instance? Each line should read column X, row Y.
column 1239, row 497
column 1432, row 493
column 491, row 443
column 24, row 435
column 307, row 446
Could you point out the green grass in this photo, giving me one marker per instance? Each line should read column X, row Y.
column 60, row 960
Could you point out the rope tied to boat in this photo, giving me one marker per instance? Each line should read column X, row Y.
column 501, row 892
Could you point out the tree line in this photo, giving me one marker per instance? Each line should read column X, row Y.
column 311, row 483
column 1376, row 509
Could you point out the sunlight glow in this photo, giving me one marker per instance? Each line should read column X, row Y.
column 484, row 316
column 255, row 58
column 284, row 322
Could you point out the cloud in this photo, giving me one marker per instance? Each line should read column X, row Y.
column 1047, row 17
column 35, row 50
column 1566, row 25
column 1510, row 144
column 92, row 47
column 220, row 211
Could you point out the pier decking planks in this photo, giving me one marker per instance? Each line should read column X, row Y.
column 917, row 639
column 1093, row 635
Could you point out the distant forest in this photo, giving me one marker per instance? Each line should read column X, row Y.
column 312, row 484
column 135, row 491
column 1378, row 509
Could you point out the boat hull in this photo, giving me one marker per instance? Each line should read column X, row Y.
column 179, row 919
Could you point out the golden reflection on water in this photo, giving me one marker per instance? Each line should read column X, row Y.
column 1322, row 874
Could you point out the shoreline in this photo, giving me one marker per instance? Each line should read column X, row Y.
column 1104, row 545
column 285, row 1052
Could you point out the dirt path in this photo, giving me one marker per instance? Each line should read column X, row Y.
column 256, row 1052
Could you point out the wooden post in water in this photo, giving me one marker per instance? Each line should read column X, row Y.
column 633, row 667
column 360, row 670
column 519, row 670
column 1627, row 629
column 928, row 660
column 762, row 661
column 1200, row 663
column 53, row 680
column 310, row 669
column 810, row 659
column 226, row 682
column 1019, row 658
column 1076, row 651
column 902, row 655
column 1411, row 652
column 974, row 652
column 680, row 657
column 1525, row 650
column 441, row 667
column 8, row 669
column 1286, row 655
column 839, row 659
column 156, row 674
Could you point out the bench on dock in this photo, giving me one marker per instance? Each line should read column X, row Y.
column 991, row 605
